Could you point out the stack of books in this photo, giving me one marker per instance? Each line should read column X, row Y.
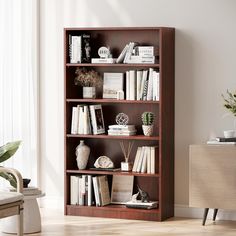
column 29, row 191
column 223, row 140
column 142, row 205
column 126, row 130
column 132, row 53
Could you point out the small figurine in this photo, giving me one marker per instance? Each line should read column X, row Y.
column 144, row 195
column 134, row 197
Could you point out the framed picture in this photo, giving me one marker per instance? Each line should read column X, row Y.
column 97, row 119
column 112, row 83
column 122, row 189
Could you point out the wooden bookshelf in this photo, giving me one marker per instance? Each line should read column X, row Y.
column 160, row 185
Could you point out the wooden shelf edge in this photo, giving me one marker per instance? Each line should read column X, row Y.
column 102, row 136
column 110, row 101
column 98, row 172
column 156, row 65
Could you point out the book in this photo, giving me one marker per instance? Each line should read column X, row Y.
column 97, row 120
column 75, row 49
column 74, row 190
column 112, row 83
column 136, row 160
column 220, row 143
column 96, row 191
column 223, row 139
column 121, row 132
column 74, row 120
column 122, row 127
column 144, row 50
column 132, row 85
column 104, row 190
column 121, row 57
column 127, row 95
column 86, row 48
column 28, row 191
column 144, row 162
column 103, row 60
column 139, row 82
column 105, row 169
column 142, row 205
column 156, row 86
column 150, row 85
column 142, row 59
column 152, row 160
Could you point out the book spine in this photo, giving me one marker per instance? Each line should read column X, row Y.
column 132, row 87
column 74, row 120
column 150, row 85
column 127, row 86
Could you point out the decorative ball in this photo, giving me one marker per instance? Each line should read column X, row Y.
column 103, row 52
column 122, row 119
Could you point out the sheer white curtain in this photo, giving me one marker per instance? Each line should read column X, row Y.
column 19, row 82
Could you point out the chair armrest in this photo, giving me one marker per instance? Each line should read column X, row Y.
column 17, row 175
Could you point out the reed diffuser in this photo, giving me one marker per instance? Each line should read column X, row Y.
column 126, row 150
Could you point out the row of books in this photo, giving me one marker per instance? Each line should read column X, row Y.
column 87, row 119
column 142, row 85
column 88, row 190
column 79, row 48
column 144, row 161
column 126, row 130
column 132, row 53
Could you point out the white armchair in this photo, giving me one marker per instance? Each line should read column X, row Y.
column 11, row 203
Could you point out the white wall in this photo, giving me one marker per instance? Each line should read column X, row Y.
column 204, row 69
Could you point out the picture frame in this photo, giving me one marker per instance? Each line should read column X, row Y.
column 122, row 189
column 97, row 119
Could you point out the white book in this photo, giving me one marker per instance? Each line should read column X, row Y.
column 82, row 190
column 127, row 86
column 144, row 162
column 81, row 120
column 220, row 143
column 149, row 160
column 75, row 49
column 144, row 78
column 122, row 127
column 90, row 191
column 85, row 121
column 156, row 86
column 129, row 52
column 138, row 86
column 153, row 160
column 96, row 191
column 132, row 87
column 139, row 165
column 74, row 120
column 134, row 169
column 150, row 85
column 97, row 119
column 103, row 60
column 142, row 59
column 121, row 57
column 145, row 50
column 74, row 190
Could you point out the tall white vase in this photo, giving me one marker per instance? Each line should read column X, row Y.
column 82, row 155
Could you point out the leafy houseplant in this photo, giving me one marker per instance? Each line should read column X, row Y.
column 148, row 120
column 89, row 80
column 6, row 151
column 230, row 102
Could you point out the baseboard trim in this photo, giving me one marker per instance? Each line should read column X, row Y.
column 190, row 212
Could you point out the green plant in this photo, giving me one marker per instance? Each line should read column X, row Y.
column 6, row 151
column 87, row 78
column 230, row 102
column 147, row 118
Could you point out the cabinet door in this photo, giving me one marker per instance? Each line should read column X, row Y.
column 212, row 176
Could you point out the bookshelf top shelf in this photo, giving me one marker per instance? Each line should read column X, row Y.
column 105, row 136
column 111, row 65
column 99, row 172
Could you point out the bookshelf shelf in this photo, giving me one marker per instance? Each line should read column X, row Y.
column 98, row 172
column 102, row 136
column 114, row 101
column 111, row 65
column 160, row 186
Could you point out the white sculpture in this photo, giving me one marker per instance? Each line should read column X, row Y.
column 104, row 162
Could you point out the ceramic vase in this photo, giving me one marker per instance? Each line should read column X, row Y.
column 82, row 155
column 147, row 130
column 89, row 92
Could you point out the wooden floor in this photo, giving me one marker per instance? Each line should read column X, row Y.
column 54, row 223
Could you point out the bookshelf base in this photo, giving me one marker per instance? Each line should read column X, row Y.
column 114, row 211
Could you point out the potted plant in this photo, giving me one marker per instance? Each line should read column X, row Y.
column 147, row 119
column 89, row 80
column 6, row 151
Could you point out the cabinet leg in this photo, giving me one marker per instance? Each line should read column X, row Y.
column 205, row 216
column 215, row 213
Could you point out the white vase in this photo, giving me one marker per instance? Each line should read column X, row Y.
column 82, row 155
column 89, row 92
column 147, row 130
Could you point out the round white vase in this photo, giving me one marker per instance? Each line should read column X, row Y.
column 82, row 155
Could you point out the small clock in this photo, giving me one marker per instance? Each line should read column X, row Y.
column 103, row 52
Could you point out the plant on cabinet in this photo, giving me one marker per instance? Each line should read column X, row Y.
column 147, row 119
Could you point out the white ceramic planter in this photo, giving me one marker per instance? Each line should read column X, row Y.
column 147, row 130
column 89, row 92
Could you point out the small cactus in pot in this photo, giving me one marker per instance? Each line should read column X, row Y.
column 148, row 120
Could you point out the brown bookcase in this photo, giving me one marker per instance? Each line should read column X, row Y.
column 160, row 186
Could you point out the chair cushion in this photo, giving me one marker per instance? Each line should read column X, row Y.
column 6, row 197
